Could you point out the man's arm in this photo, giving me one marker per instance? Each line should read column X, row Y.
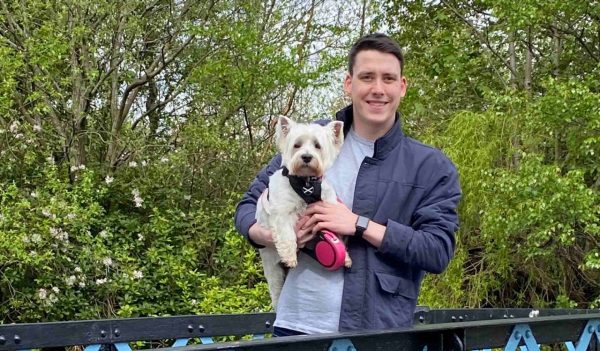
column 428, row 243
column 245, row 212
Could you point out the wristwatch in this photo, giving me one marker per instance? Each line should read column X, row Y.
column 361, row 226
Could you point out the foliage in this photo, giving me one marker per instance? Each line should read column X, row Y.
column 510, row 92
column 129, row 130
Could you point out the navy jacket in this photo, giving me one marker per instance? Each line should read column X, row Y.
column 413, row 190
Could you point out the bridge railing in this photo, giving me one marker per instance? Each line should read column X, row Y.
column 435, row 329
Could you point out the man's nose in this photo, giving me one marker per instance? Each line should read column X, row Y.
column 306, row 158
column 377, row 87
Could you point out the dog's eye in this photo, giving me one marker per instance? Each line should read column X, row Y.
column 297, row 145
column 317, row 146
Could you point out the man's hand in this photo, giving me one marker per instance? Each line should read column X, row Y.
column 261, row 235
column 334, row 217
column 304, row 231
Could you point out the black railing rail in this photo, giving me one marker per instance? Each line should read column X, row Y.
column 436, row 329
column 112, row 331
column 475, row 335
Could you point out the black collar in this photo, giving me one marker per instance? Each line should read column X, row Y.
column 308, row 188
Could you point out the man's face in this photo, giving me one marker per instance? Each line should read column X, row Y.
column 376, row 87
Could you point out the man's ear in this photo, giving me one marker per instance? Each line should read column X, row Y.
column 348, row 84
column 337, row 130
column 282, row 130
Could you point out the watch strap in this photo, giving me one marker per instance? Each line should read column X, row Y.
column 361, row 225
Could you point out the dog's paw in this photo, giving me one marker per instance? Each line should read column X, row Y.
column 290, row 263
column 347, row 261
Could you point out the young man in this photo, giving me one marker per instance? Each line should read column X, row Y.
column 398, row 207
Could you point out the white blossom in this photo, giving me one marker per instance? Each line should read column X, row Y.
column 140, row 237
column 42, row 294
column 59, row 234
column 71, row 216
column 52, row 298
column 14, row 127
column 103, row 234
column 37, row 128
column 137, row 198
column 164, row 159
column 70, row 281
column 26, row 239
column 108, row 179
column 107, row 261
column 55, row 289
column 82, row 284
column 138, row 275
column 77, row 269
column 144, row 163
column 101, row 281
column 34, row 195
column 46, row 213
column 36, row 238
column 133, row 164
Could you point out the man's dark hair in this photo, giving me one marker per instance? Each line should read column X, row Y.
column 376, row 41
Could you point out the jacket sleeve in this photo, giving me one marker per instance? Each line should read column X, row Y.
column 429, row 242
column 245, row 211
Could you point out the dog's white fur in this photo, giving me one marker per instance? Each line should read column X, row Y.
column 283, row 208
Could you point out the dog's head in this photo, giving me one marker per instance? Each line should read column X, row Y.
column 308, row 149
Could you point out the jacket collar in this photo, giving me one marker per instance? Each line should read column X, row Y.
column 383, row 145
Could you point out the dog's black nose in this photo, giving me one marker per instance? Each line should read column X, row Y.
column 307, row 158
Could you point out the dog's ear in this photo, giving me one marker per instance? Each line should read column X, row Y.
column 284, row 125
column 337, row 129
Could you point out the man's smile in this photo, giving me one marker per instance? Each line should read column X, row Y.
column 375, row 103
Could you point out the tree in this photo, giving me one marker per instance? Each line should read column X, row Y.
column 128, row 131
column 510, row 91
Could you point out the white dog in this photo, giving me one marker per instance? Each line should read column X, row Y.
column 307, row 151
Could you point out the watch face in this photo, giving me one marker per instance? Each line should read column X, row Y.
column 362, row 222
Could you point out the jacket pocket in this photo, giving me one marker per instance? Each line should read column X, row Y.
column 397, row 286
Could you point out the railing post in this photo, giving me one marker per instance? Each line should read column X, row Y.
column 342, row 345
column 522, row 332
column 591, row 328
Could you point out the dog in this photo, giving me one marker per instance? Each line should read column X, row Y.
column 307, row 151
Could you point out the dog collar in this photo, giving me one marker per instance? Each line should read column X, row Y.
column 308, row 188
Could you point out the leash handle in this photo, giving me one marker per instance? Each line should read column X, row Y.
column 328, row 250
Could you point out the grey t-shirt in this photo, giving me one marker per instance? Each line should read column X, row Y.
column 311, row 297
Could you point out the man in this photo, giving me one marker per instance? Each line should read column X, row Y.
column 398, row 208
